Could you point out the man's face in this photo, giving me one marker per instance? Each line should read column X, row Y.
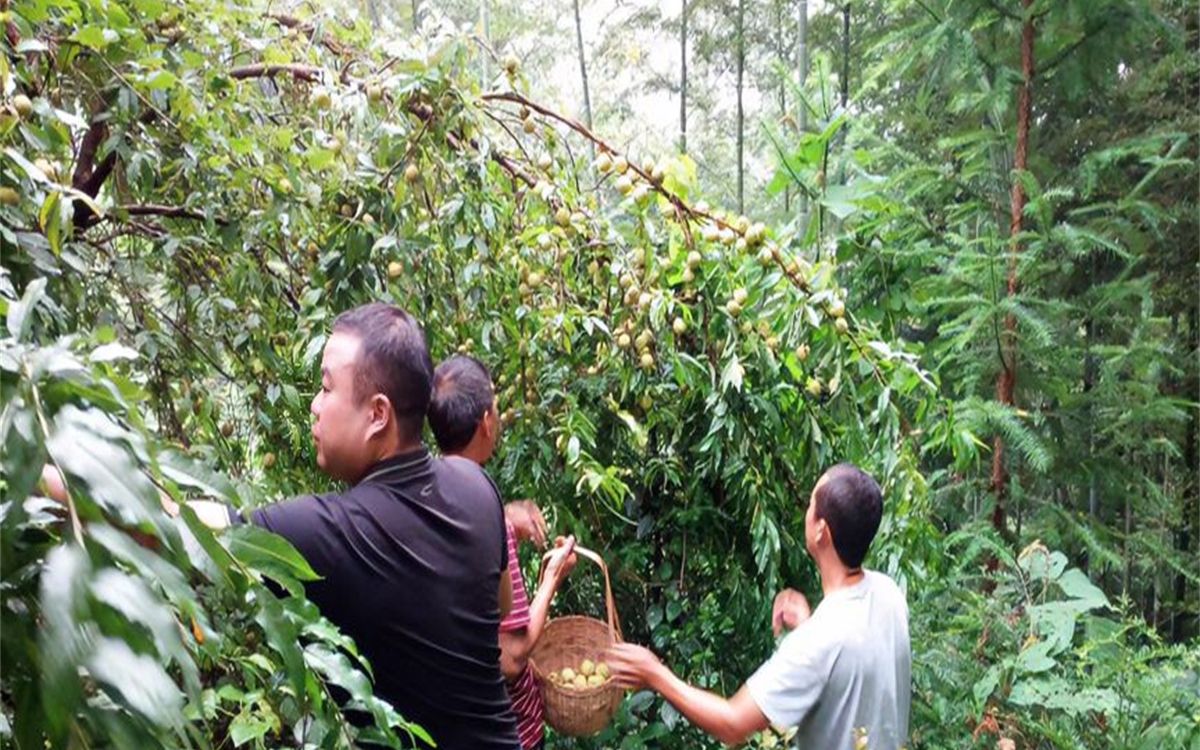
column 340, row 427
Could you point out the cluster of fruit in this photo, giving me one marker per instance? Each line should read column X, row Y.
column 589, row 674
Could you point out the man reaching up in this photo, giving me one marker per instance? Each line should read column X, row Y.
column 842, row 676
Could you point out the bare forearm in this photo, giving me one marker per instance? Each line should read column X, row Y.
column 711, row 713
column 516, row 645
column 539, row 609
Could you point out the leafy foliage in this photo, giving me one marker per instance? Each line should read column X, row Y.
column 194, row 191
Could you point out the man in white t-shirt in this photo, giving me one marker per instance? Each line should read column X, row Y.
column 842, row 676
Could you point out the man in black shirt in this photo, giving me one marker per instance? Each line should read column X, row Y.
column 413, row 556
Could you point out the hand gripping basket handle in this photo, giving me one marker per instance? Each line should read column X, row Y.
column 614, row 622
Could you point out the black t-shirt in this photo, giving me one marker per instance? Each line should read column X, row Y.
column 410, row 560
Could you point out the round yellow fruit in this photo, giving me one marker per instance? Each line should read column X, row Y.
column 623, row 341
column 620, row 164
column 23, row 105
column 562, row 216
column 813, row 386
column 580, row 681
column 268, row 460
column 587, row 667
column 603, row 163
column 678, row 326
column 740, row 295
column 646, row 361
column 595, row 680
column 688, row 275
column 602, row 670
column 623, row 185
column 545, row 162
column 395, row 269
column 528, row 125
column 802, row 352
column 321, row 99
column 841, row 325
column 511, row 64
column 733, row 307
column 412, row 173
column 374, row 92
column 837, row 308
column 9, row 197
column 693, row 259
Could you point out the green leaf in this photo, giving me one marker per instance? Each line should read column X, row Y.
column 268, row 553
column 1077, row 586
column 732, row 373
column 139, row 680
column 283, row 636
column 96, row 37
column 19, row 318
column 247, row 727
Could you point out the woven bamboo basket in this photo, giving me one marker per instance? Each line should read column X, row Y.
column 566, row 642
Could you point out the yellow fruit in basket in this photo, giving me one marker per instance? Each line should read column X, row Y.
column 568, row 674
column 581, row 681
column 595, row 680
column 602, row 670
column 553, row 677
column 587, row 668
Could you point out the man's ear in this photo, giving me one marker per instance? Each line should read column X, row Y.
column 820, row 531
column 381, row 415
column 490, row 424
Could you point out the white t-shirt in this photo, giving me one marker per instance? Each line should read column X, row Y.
column 845, row 671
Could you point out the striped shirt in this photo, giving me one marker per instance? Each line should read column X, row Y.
column 523, row 691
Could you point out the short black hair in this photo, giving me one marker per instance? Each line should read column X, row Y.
column 462, row 394
column 850, row 501
column 394, row 361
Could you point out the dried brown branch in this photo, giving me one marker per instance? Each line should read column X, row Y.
column 309, row 73
column 326, row 40
column 171, row 212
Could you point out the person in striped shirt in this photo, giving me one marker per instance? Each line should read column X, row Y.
column 465, row 423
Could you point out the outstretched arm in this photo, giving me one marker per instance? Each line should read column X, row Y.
column 731, row 720
column 211, row 513
column 516, row 645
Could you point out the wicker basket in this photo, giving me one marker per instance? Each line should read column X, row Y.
column 566, row 642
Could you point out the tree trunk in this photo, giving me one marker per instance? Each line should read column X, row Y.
column 1189, row 526
column 485, row 29
column 802, row 54
column 1006, row 381
column 587, row 97
column 741, row 119
column 683, row 19
column 783, row 110
column 845, row 54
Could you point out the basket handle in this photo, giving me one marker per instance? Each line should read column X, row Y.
column 614, row 622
